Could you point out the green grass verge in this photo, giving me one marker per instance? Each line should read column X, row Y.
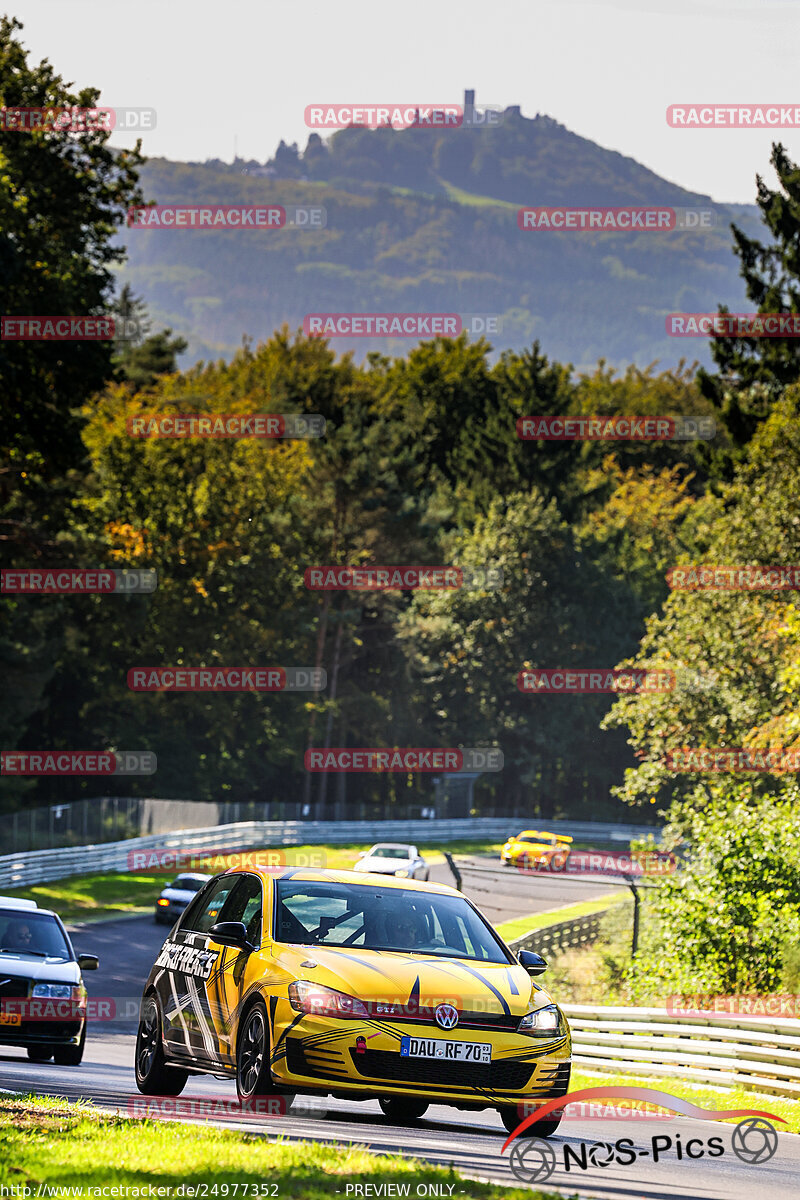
column 110, row 894
column 518, row 926
column 50, row 1142
column 697, row 1093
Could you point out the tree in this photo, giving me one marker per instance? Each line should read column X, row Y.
column 753, row 370
column 141, row 359
column 725, row 921
column 62, row 195
column 734, row 653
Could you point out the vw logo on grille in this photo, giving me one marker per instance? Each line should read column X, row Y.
column 446, row 1016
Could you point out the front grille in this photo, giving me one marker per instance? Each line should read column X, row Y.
column 13, row 988
column 497, row 1076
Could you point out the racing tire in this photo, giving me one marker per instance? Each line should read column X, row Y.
column 253, row 1076
column 543, row 1129
column 40, row 1053
column 153, row 1076
column 403, row 1111
column 70, row 1056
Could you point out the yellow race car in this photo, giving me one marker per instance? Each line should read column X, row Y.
column 535, row 848
column 361, row 987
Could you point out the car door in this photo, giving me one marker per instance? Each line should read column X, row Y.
column 190, row 965
column 235, row 968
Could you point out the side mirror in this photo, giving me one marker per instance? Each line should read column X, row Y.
column 363, row 854
column 88, row 962
column 534, row 964
column 230, row 933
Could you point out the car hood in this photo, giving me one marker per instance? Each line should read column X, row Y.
column 177, row 894
column 384, row 975
column 384, row 866
column 43, row 970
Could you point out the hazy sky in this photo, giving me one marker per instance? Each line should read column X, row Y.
column 607, row 69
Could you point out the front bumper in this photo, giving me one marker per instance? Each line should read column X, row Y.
column 322, row 1054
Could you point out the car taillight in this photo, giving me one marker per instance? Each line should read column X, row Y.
column 321, row 1001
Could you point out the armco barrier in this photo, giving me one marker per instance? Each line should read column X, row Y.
column 727, row 1051
column 564, row 935
column 41, row 866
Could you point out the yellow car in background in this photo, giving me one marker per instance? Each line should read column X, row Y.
column 536, row 848
column 359, row 986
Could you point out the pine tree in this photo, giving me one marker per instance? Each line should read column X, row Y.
column 752, row 371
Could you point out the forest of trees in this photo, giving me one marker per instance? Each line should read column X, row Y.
column 420, row 464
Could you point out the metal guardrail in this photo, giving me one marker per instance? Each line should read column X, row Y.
column 563, row 935
column 726, row 1051
column 42, row 866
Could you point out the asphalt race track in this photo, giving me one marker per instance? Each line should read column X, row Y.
column 470, row 1141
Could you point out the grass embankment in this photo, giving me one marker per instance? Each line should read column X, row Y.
column 518, row 926
column 50, row 1143
column 701, row 1094
column 110, row 894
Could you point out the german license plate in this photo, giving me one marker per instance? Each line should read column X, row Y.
column 417, row 1047
column 10, row 1018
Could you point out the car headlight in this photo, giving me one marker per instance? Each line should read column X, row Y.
column 162, row 900
column 542, row 1021
column 321, row 1001
column 402, row 873
column 57, row 991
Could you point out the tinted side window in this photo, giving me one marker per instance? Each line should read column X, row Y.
column 205, row 912
column 193, row 907
column 245, row 904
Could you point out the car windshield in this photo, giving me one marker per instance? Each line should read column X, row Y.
column 186, row 883
column 389, row 852
column 317, row 913
column 33, row 934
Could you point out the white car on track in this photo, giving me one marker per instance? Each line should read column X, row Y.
column 42, row 993
column 176, row 895
column 393, row 858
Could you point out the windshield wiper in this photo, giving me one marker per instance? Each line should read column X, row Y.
column 38, row 953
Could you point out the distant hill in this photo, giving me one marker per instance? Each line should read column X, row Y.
column 425, row 220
